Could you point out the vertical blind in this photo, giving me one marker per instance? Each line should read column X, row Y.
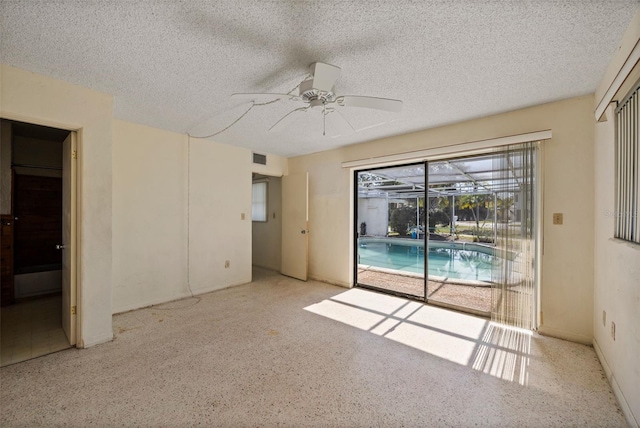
column 514, row 278
column 627, row 213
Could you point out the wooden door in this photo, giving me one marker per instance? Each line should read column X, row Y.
column 69, row 237
column 38, row 222
column 295, row 225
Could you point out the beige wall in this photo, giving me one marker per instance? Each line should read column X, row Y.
column 33, row 98
column 160, row 242
column 267, row 236
column 617, row 264
column 149, row 216
column 567, row 273
column 177, row 215
column 220, row 193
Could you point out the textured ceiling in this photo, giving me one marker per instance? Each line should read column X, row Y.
column 174, row 64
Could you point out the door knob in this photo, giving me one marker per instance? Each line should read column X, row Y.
column 59, row 246
column 303, row 232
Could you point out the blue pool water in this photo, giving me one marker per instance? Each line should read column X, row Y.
column 444, row 261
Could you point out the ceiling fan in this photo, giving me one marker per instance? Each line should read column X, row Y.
column 317, row 92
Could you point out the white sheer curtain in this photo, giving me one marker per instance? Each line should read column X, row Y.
column 514, row 277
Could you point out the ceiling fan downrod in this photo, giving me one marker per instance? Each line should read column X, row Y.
column 324, row 118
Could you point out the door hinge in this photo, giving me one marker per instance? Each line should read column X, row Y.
column 74, row 154
column 73, row 310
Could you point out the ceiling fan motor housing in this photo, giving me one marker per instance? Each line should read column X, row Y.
column 309, row 93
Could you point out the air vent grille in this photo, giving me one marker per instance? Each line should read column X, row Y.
column 259, row 159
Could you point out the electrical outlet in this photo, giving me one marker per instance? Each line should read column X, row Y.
column 613, row 330
column 557, row 218
column 241, row 216
column 227, row 263
column 604, row 318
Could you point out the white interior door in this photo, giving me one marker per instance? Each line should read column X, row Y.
column 295, row 225
column 69, row 237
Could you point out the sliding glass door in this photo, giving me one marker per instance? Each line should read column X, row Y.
column 462, row 221
column 390, row 229
column 456, row 232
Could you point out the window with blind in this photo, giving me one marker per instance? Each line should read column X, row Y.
column 259, row 201
column 627, row 214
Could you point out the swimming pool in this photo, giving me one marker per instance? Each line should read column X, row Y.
column 449, row 260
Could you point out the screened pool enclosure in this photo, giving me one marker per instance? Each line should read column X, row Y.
column 459, row 232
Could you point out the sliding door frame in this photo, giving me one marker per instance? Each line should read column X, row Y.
column 427, row 231
column 538, row 220
column 425, row 239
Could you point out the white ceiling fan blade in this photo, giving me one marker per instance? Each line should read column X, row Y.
column 288, row 119
column 324, row 76
column 263, row 97
column 337, row 125
column 370, row 102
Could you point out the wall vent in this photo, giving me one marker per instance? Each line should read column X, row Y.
column 259, row 159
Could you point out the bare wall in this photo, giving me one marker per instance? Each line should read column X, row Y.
column 219, row 195
column 567, row 265
column 177, row 215
column 149, row 216
column 617, row 263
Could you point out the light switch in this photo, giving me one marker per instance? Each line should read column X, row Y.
column 557, row 218
column 241, row 216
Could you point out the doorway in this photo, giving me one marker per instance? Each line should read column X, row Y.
column 38, row 221
column 266, row 221
column 456, row 232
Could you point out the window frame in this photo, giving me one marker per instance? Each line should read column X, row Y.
column 627, row 167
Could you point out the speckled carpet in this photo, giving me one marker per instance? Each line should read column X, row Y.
column 280, row 352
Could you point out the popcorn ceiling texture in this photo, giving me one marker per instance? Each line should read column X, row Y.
column 173, row 65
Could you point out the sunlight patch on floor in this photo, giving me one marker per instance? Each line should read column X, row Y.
column 504, row 352
column 471, row 341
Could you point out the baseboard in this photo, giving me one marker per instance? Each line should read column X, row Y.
column 178, row 296
column 566, row 335
column 622, row 402
column 330, row 281
column 150, row 302
column 97, row 340
column 276, row 268
column 205, row 290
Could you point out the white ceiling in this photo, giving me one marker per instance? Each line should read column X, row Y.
column 174, row 64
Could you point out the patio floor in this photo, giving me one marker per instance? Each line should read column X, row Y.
column 476, row 298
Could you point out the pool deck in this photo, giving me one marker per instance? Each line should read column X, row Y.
column 475, row 297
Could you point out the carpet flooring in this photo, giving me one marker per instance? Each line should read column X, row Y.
column 280, row 352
